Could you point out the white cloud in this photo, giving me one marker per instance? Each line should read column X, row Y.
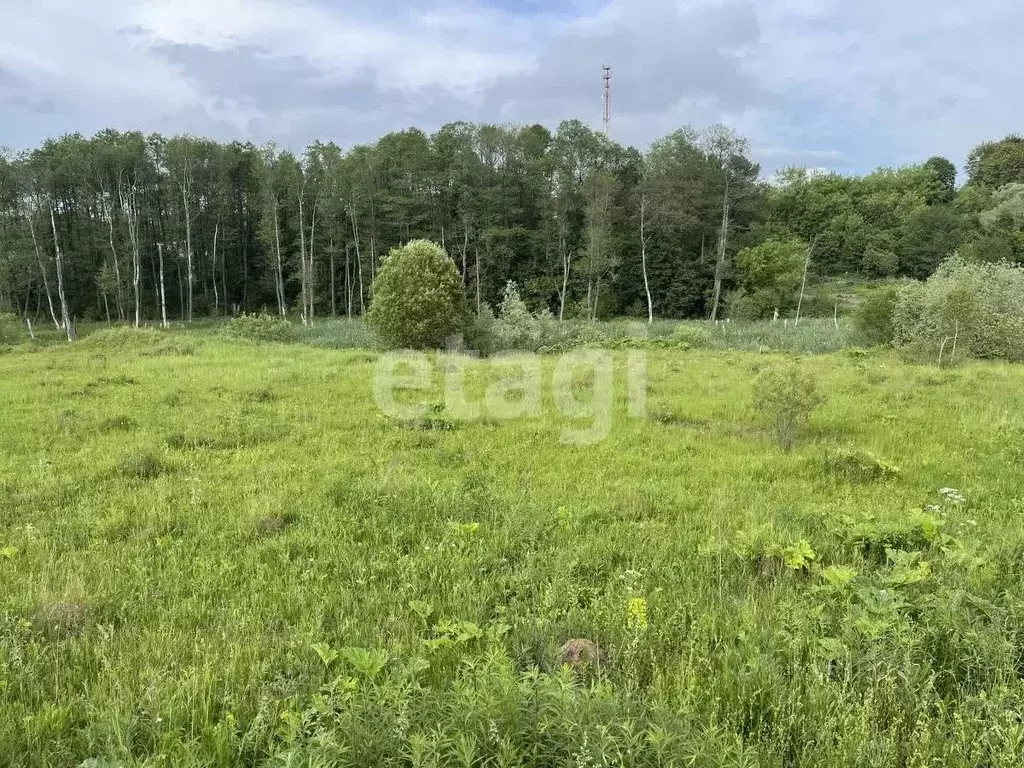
column 822, row 82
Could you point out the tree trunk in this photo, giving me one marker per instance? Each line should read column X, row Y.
column 334, row 309
column 279, row 279
column 311, row 292
column 303, row 269
column 127, row 196
column 566, row 267
column 113, row 252
column 478, row 280
column 359, row 259
column 186, row 188
column 65, row 317
column 348, row 286
column 181, row 286
column 723, row 242
column 213, row 269
column 643, row 257
column 163, row 291
column 42, row 270
column 803, row 284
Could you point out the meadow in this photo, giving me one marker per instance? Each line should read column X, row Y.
column 220, row 553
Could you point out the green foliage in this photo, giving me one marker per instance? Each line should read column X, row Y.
column 878, row 262
column 261, row 329
column 857, row 467
column 518, row 329
column 875, row 316
column 1006, row 208
column 418, row 299
column 785, row 395
column 995, row 164
column 479, row 334
column 944, row 172
column 972, row 308
column 930, row 236
column 769, row 277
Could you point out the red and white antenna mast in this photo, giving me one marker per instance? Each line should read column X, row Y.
column 607, row 77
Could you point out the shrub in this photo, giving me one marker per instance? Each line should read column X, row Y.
column 980, row 306
column 874, row 317
column 786, row 395
column 418, row 298
column 479, row 330
column 769, row 276
column 516, row 328
column 261, row 328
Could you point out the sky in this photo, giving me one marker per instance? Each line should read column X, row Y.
column 840, row 84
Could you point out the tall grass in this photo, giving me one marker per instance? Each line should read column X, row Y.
column 230, row 558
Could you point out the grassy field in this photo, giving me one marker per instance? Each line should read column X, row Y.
column 214, row 553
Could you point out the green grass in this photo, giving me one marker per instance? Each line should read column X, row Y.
column 231, row 557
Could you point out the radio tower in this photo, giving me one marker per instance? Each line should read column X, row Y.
column 607, row 77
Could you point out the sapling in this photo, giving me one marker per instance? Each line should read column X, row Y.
column 786, row 395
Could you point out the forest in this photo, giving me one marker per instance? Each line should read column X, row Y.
column 135, row 228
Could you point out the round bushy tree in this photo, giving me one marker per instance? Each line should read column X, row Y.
column 418, row 299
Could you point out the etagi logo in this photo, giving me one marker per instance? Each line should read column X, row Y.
column 580, row 386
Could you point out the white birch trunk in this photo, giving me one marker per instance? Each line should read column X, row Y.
column 643, row 256
column 723, row 241
column 279, row 271
column 59, row 259
column 303, row 271
column 186, row 193
column 42, row 270
column 213, row 269
column 163, row 291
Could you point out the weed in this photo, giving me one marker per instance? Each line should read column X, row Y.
column 857, row 467
column 142, row 466
column 117, row 424
column 60, row 619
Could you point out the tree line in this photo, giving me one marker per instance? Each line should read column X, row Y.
column 134, row 228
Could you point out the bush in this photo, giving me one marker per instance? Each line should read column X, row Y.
column 769, row 276
column 874, row 317
column 479, row 331
column 418, row 298
column 518, row 329
column 980, row 306
column 261, row 328
column 786, row 395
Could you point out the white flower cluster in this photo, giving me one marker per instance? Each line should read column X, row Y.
column 952, row 495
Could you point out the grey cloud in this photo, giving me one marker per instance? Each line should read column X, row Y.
column 820, row 82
